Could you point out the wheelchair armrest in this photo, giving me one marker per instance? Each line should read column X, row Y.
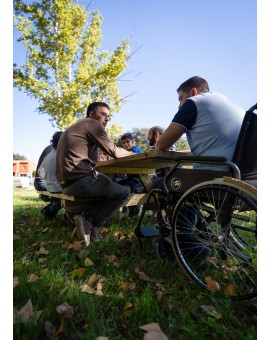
column 209, row 160
column 201, row 159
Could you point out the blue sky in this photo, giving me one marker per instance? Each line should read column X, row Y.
column 175, row 40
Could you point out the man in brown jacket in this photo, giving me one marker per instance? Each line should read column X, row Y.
column 77, row 156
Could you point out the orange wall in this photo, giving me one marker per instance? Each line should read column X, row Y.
column 23, row 167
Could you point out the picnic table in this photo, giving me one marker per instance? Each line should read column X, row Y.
column 143, row 165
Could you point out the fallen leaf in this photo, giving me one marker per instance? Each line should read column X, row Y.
column 76, row 245
column 128, row 305
column 142, row 276
column 65, row 309
column 212, row 285
column 211, row 310
column 59, row 330
column 43, row 251
column 32, row 278
column 120, row 295
column 26, row 313
column 15, row 282
column 88, row 262
column 42, row 259
column 45, row 230
column 99, row 289
column 128, row 286
column 153, row 332
column 102, row 338
column 86, row 289
column 17, row 237
column 114, row 260
column 231, row 290
column 165, row 305
column 103, row 231
column 78, row 272
column 92, row 279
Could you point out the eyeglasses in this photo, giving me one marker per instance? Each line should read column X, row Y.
column 105, row 114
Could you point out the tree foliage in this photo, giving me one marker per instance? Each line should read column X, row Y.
column 65, row 68
column 18, row 157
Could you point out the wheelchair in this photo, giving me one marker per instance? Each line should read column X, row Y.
column 207, row 219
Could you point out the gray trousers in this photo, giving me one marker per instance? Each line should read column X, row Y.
column 109, row 196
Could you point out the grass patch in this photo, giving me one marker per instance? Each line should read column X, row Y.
column 51, row 272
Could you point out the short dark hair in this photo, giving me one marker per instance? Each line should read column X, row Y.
column 94, row 107
column 157, row 129
column 55, row 138
column 127, row 135
column 199, row 83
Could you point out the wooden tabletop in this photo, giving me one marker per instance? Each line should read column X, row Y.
column 142, row 163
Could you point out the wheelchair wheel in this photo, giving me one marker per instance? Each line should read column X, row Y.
column 214, row 234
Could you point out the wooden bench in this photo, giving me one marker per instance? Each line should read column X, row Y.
column 71, row 203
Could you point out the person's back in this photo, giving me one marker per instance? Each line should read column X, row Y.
column 211, row 122
column 49, row 166
column 47, row 171
column 39, row 182
column 217, row 125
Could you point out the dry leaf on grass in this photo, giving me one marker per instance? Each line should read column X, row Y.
column 165, row 305
column 43, row 251
column 103, row 230
column 231, row 290
column 128, row 286
column 17, row 237
column 32, row 278
column 114, row 260
column 128, row 305
column 99, row 289
column 153, row 332
column 102, row 338
column 78, row 272
column 212, row 285
column 65, row 309
column 76, row 245
column 211, row 310
column 88, row 262
column 86, row 289
column 26, row 313
column 120, row 296
column 142, row 276
column 15, row 282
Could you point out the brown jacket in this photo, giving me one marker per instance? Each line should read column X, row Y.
column 77, row 150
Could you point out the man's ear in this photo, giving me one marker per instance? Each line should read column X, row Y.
column 194, row 91
column 92, row 114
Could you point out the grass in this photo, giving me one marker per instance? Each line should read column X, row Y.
column 126, row 302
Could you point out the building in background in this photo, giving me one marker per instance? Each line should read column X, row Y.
column 23, row 172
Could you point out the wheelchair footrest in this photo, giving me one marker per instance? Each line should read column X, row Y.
column 148, row 231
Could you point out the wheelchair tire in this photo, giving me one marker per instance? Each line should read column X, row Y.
column 214, row 234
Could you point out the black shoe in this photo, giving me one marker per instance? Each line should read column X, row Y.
column 47, row 214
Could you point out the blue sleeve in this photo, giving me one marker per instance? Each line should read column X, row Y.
column 136, row 149
column 186, row 115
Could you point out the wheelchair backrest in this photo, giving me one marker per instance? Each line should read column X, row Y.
column 245, row 154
